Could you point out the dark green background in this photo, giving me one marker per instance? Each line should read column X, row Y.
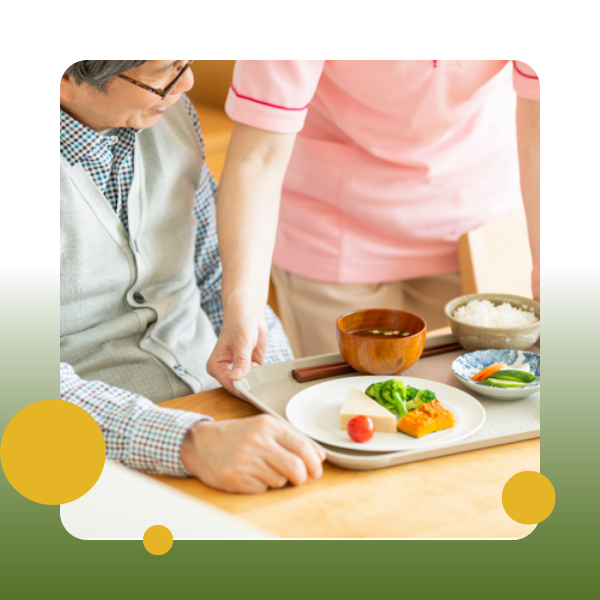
column 39, row 559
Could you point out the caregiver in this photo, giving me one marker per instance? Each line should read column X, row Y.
column 389, row 163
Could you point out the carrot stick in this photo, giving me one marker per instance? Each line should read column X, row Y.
column 485, row 373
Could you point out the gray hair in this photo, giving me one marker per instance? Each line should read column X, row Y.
column 97, row 73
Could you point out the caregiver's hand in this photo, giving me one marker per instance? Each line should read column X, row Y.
column 250, row 455
column 241, row 345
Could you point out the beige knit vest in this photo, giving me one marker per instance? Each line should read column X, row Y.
column 130, row 310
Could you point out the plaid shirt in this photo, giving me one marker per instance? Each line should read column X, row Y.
column 136, row 432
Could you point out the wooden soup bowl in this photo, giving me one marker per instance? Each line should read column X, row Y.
column 380, row 356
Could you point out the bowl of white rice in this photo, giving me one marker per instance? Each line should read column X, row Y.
column 503, row 321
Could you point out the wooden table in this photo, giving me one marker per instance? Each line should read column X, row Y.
column 457, row 496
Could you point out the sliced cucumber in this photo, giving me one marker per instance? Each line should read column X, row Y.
column 515, row 375
column 502, row 383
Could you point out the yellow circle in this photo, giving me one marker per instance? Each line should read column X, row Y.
column 52, row 452
column 528, row 497
column 158, row 539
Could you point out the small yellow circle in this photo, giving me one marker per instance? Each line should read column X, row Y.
column 158, row 539
column 52, row 452
column 528, row 497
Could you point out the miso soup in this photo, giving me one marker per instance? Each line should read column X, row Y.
column 380, row 333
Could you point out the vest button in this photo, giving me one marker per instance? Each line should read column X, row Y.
column 139, row 298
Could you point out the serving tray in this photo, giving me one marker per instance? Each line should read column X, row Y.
column 271, row 387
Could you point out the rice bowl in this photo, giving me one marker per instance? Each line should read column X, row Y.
column 481, row 337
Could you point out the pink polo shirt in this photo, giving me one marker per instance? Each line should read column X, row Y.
column 394, row 160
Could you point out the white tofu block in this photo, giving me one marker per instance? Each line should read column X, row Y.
column 358, row 403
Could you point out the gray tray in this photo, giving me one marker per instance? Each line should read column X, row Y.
column 271, row 387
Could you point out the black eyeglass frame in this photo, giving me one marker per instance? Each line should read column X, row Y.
column 164, row 92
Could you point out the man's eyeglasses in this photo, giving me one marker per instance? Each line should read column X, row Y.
column 162, row 93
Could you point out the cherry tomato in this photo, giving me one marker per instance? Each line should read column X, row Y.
column 360, row 429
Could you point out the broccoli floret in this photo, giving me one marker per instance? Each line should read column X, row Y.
column 370, row 391
column 422, row 397
column 375, row 391
column 394, row 395
column 394, row 392
column 395, row 385
column 390, row 394
column 411, row 392
column 425, row 396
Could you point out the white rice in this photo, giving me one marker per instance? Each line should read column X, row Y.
column 485, row 314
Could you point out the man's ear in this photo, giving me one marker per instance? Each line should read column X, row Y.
column 67, row 89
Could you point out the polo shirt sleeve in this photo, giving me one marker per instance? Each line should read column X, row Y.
column 525, row 81
column 273, row 94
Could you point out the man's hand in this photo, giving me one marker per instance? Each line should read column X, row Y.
column 242, row 345
column 250, row 455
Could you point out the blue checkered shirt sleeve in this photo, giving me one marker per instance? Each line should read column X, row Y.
column 137, row 433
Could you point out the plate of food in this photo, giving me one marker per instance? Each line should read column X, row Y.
column 501, row 374
column 378, row 413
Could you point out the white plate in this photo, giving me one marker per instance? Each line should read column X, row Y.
column 316, row 412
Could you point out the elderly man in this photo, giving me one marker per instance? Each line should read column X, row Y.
column 141, row 300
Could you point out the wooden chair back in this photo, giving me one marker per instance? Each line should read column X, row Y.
column 495, row 258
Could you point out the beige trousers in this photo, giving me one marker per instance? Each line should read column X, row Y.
column 309, row 309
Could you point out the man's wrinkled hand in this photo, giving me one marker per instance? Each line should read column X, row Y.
column 250, row 455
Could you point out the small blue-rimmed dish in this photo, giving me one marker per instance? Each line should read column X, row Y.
column 465, row 366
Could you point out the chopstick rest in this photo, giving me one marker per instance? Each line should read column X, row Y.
column 342, row 368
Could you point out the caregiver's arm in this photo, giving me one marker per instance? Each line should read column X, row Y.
column 528, row 139
column 247, row 214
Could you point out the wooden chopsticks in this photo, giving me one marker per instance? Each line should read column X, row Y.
column 342, row 368
column 322, row 371
column 441, row 349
